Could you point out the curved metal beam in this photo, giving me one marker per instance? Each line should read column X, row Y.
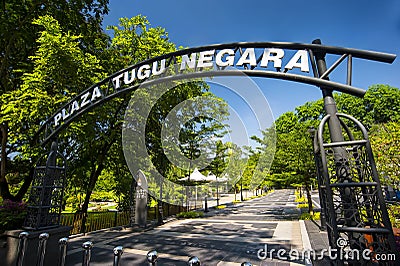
column 253, row 73
column 50, row 129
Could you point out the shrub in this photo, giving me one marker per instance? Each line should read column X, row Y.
column 13, row 206
column 236, row 201
column 307, row 216
column 190, row 214
column 394, row 214
column 12, row 215
column 221, row 206
column 300, row 199
column 302, row 206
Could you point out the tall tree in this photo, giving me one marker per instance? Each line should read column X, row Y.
column 378, row 111
column 385, row 141
column 18, row 35
column 293, row 162
column 60, row 69
column 18, row 48
column 133, row 41
column 380, row 104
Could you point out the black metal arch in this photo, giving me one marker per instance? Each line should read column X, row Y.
column 107, row 89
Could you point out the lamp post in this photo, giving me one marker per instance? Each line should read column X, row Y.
column 241, row 188
column 216, row 178
column 312, row 132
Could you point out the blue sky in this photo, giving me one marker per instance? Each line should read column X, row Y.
column 369, row 25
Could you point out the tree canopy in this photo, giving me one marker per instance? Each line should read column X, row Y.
column 378, row 111
column 62, row 64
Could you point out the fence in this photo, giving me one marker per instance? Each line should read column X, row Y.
column 94, row 220
column 106, row 219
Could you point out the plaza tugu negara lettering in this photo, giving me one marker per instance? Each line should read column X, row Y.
column 270, row 57
column 277, row 60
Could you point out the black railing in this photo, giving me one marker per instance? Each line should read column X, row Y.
column 106, row 219
column 94, row 221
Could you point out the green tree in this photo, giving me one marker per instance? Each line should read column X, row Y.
column 148, row 42
column 264, row 156
column 18, row 35
column 379, row 105
column 60, row 69
column 106, row 126
column 378, row 111
column 19, row 72
column 237, row 161
column 385, row 140
column 293, row 163
column 220, row 161
column 200, row 137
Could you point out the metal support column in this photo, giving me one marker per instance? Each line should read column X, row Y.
column 321, row 190
column 47, row 191
column 356, row 214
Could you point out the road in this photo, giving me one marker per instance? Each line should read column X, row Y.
column 227, row 236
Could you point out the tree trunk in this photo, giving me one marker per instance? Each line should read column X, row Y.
column 25, row 186
column 4, row 190
column 99, row 160
column 309, row 199
column 4, row 187
column 94, row 176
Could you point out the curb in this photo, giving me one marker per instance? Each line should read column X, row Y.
column 306, row 240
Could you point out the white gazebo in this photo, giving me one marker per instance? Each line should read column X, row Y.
column 194, row 177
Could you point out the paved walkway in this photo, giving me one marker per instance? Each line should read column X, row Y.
column 240, row 232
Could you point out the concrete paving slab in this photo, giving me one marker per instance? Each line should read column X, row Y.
column 228, row 236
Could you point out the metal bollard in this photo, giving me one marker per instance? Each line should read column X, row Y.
column 194, row 261
column 87, row 251
column 152, row 257
column 62, row 243
column 23, row 238
column 117, row 254
column 43, row 237
column 246, row 264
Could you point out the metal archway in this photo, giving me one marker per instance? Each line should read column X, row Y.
column 354, row 212
column 148, row 72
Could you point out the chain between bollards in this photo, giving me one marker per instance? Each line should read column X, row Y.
column 43, row 237
column 87, row 251
column 23, row 238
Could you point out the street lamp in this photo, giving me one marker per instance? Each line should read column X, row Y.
column 216, row 178
column 241, row 188
column 313, row 133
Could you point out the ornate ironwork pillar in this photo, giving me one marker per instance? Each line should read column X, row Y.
column 47, row 191
column 321, row 190
column 356, row 215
